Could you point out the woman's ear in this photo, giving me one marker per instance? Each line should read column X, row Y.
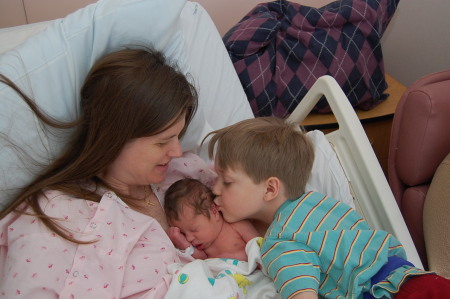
column 273, row 185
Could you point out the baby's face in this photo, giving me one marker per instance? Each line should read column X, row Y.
column 198, row 229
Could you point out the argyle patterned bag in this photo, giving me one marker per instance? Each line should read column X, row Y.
column 280, row 48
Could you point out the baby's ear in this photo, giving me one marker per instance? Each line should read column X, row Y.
column 214, row 209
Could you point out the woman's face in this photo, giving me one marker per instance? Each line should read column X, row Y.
column 145, row 160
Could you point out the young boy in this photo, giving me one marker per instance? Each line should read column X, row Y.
column 315, row 245
column 197, row 225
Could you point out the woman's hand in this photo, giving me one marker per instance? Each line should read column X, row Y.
column 177, row 238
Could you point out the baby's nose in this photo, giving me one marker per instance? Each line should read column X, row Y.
column 189, row 237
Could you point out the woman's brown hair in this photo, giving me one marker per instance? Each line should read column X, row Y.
column 127, row 94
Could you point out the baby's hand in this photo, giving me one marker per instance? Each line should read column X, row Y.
column 177, row 238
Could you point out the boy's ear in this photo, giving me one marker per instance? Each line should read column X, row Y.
column 273, row 185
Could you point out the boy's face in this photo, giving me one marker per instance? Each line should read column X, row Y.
column 198, row 229
column 238, row 197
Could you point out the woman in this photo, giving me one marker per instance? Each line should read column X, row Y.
column 82, row 227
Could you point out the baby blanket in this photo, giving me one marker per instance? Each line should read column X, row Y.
column 222, row 278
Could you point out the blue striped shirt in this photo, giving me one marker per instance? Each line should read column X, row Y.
column 317, row 243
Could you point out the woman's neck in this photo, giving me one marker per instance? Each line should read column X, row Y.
column 142, row 199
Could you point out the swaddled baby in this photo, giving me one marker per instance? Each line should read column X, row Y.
column 198, row 228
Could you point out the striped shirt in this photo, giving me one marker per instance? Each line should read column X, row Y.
column 319, row 244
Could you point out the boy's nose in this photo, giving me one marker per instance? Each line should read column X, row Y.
column 215, row 188
column 217, row 201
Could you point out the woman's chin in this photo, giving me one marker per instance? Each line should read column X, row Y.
column 159, row 180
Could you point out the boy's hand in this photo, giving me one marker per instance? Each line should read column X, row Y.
column 177, row 238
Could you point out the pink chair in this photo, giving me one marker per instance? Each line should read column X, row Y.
column 420, row 140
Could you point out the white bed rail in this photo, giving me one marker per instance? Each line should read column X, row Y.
column 372, row 195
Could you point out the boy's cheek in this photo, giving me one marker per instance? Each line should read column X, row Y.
column 227, row 218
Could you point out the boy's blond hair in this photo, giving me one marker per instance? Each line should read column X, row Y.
column 266, row 147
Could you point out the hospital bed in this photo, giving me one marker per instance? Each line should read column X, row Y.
column 49, row 61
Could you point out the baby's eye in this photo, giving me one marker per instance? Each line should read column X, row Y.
column 226, row 183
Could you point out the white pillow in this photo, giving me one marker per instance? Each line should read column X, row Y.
column 222, row 98
column 11, row 37
column 327, row 175
column 51, row 66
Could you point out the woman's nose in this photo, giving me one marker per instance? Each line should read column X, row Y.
column 175, row 149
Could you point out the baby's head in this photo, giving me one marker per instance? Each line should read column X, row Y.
column 265, row 147
column 189, row 206
column 187, row 193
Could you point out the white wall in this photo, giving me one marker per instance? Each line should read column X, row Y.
column 417, row 41
column 20, row 12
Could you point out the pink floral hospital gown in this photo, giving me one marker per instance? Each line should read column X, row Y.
column 128, row 258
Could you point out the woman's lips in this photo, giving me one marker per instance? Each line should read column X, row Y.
column 163, row 167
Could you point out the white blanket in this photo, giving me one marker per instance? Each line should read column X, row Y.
column 222, row 278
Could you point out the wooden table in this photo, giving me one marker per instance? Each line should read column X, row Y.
column 377, row 122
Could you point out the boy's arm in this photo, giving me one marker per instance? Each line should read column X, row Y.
column 293, row 266
column 180, row 242
column 246, row 229
column 306, row 295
